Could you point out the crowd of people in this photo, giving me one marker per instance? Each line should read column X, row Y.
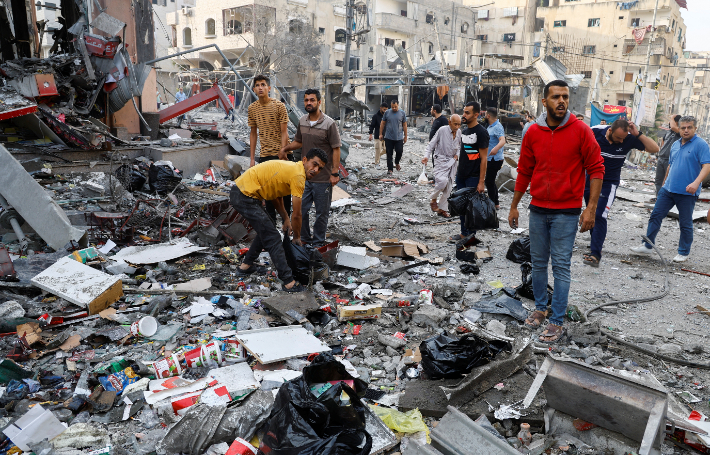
column 572, row 172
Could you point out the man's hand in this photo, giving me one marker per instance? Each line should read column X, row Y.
column 586, row 220
column 692, row 188
column 633, row 129
column 370, row 138
column 283, row 155
column 381, row 137
column 513, row 216
column 456, row 157
column 334, row 179
column 493, row 152
column 287, row 226
column 425, row 160
column 405, row 140
column 252, row 162
column 481, row 186
column 297, row 241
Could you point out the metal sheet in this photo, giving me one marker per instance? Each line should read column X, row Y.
column 456, row 434
column 152, row 254
column 280, row 343
column 35, row 205
column 108, row 24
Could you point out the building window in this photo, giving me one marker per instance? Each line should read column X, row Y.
column 429, row 18
column 295, row 26
column 370, row 63
column 155, row 2
column 464, row 28
column 186, row 36
column 404, row 44
column 389, row 42
column 508, row 37
column 587, row 74
column 671, row 82
column 621, row 102
column 621, row 17
column 560, row 24
column 431, row 48
column 629, row 48
column 594, row 22
column 340, row 35
column 403, row 12
column 482, row 37
column 635, row 21
column 611, row 72
column 589, row 50
column 173, row 40
column 447, row 20
column 558, row 49
column 339, row 63
column 629, row 77
column 209, row 27
column 321, row 30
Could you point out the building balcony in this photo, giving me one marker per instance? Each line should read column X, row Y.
column 395, row 22
column 631, row 48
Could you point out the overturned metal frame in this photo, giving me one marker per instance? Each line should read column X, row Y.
column 618, row 402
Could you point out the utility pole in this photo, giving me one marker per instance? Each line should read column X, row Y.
column 349, row 7
column 648, row 54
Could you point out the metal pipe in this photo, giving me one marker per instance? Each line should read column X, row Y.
column 346, row 61
column 24, row 241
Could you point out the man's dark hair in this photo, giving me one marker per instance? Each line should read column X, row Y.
column 475, row 105
column 688, row 119
column 312, row 91
column 384, row 105
column 620, row 123
column 317, row 153
column 437, row 108
column 555, row 83
column 493, row 111
column 394, row 101
column 677, row 118
column 261, row 77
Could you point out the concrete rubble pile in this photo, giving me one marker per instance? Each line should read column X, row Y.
column 136, row 336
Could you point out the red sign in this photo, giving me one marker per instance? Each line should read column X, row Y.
column 612, row 109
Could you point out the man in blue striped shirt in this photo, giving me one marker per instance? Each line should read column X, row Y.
column 615, row 141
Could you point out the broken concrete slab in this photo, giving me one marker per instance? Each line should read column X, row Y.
column 429, row 315
column 35, row 205
column 152, row 254
column 80, row 284
column 483, row 378
column 287, row 306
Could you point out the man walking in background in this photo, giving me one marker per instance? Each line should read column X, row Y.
column 615, row 142
column 317, row 130
column 445, row 146
column 375, row 129
column 472, row 159
column 439, row 121
column 393, row 129
column 554, row 166
column 268, row 121
column 688, row 167
column 664, row 155
column 495, row 153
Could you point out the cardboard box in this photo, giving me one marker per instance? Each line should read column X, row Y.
column 353, row 312
column 403, row 248
column 80, row 284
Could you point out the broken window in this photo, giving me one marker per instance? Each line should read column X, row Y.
column 295, row 26
column 621, row 102
column 340, row 35
column 464, row 28
column 403, row 12
column 430, row 18
column 321, row 30
column 389, row 42
column 431, row 48
column 508, row 37
column 186, row 36
column 560, row 24
column 339, row 63
column 589, row 49
column 594, row 22
column 210, row 27
column 482, row 37
column 635, row 21
column 370, row 63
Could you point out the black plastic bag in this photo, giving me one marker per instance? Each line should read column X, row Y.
column 459, row 199
column 131, row 178
column 481, row 213
column 305, row 262
column 526, row 288
column 470, row 269
column 163, row 178
column 519, row 251
column 451, row 358
column 325, row 368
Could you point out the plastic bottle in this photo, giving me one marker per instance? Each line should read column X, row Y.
column 524, row 435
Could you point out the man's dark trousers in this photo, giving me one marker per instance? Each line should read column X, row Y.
column 267, row 237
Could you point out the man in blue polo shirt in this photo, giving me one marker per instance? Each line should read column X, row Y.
column 495, row 153
column 688, row 167
column 615, row 142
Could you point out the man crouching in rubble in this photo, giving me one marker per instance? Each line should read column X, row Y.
column 272, row 181
column 555, row 153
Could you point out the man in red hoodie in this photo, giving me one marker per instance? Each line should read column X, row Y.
column 556, row 152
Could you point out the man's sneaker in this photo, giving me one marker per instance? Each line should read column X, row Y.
column 680, row 258
column 642, row 249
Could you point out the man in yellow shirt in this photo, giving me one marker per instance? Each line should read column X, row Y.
column 272, row 181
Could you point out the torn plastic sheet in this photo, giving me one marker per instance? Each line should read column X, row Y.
column 34, row 204
column 502, row 304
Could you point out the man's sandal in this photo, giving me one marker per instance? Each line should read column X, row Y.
column 590, row 259
column 552, row 334
column 536, row 319
column 443, row 213
column 434, row 206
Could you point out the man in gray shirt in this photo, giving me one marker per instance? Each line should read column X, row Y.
column 393, row 130
column 664, row 155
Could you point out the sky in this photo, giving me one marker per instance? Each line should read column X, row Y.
column 696, row 18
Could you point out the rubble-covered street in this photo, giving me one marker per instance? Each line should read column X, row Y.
column 136, row 336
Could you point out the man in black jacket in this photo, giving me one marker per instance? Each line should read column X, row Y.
column 439, row 120
column 375, row 128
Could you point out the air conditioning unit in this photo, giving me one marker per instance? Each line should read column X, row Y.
column 187, row 11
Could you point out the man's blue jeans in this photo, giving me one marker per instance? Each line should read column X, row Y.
column 552, row 236
column 598, row 232
column 664, row 203
column 465, row 182
column 320, row 195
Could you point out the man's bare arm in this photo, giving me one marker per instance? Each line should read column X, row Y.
column 382, row 128
column 284, row 141
column 586, row 220
column 484, row 165
column 252, row 145
column 296, row 219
